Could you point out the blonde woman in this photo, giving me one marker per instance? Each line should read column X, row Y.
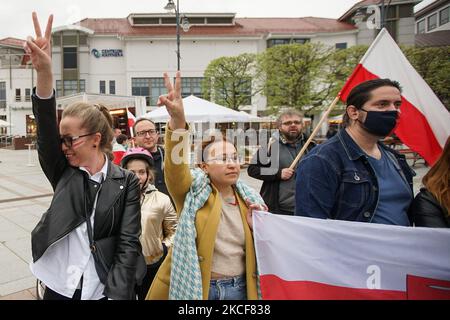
column 86, row 246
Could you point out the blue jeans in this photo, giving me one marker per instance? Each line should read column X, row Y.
column 234, row 288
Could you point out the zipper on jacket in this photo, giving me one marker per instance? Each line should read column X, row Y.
column 112, row 224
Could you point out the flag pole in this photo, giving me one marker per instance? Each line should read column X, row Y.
column 313, row 134
column 131, row 129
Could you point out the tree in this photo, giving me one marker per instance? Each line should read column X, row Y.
column 433, row 64
column 338, row 66
column 290, row 73
column 228, row 80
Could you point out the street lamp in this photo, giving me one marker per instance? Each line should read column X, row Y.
column 170, row 6
column 384, row 10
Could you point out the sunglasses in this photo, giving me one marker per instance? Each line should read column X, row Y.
column 68, row 141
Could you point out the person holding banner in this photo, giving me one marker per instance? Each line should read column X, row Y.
column 353, row 176
column 431, row 206
column 213, row 255
column 271, row 163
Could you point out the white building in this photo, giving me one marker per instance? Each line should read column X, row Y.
column 127, row 56
column 432, row 16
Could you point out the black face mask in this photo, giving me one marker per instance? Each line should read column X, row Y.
column 380, row 123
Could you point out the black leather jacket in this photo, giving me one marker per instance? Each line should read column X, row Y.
column 117, row 212
column 425, row 211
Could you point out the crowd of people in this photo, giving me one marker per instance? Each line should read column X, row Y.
column 147, row 226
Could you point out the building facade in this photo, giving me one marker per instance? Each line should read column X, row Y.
column 126, row 57
column 432, row 16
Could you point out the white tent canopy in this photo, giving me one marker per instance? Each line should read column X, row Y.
column 200, row 110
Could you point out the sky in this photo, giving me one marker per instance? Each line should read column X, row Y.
column 15, row 15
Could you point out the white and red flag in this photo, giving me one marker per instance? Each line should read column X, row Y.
column 306, row 258
column 131, row 121
column 424, row 121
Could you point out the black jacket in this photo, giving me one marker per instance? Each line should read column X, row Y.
column 117, row 212
column 425, row 211
column 271, row 177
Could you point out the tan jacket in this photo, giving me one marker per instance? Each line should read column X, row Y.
column 178, row 180
column 159, row 222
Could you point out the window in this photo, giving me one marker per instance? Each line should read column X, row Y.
column 56, row 40
column 150, row 88
column 70, row 87
column 341, row 45
column 70, row 58
column 145, row 20
column 27, row 95
column 157, row 88
column 421, row 26
column 191, row 86
column 112, row 87
column 195, row 20
column 168, row 20
column 102, row 87
column 432, row 22
column 83, row 39
column 141, row 87
column 406, row 11
column 275, row 42
column 443, row 16
column 219, row 20
column 3, row 95
column 18, row 98
column 246, row 92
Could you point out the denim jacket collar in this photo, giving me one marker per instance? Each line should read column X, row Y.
column 352, row 150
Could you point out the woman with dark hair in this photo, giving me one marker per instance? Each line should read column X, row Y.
column 86, row 246
column 431, row 206
column 213, row 256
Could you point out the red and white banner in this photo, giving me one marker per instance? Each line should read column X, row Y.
column 131, row 121
column 307, row 258
column 424, row 121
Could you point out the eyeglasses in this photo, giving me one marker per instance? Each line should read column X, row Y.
column 144, row 133
column 290, row 123
column 225, row 158
column 68, row 141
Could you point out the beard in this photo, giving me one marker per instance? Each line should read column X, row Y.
column 291, row 135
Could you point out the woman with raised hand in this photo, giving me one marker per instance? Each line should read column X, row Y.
column 213, row 256
column 86, row 246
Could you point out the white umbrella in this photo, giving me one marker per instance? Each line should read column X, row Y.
column 200, row 110
column 4, row 123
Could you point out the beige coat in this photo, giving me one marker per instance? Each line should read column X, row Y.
column 159, row 222
column 178, row 180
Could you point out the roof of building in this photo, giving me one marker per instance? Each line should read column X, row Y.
column 426, row 7
column 433, row 39
column 12, row 42
column 366, row 3
column 242, row 27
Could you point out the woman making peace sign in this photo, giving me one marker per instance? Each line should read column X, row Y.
column 213, row 256
column 86, row 246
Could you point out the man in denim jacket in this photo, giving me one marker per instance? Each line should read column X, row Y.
column 353, row 176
